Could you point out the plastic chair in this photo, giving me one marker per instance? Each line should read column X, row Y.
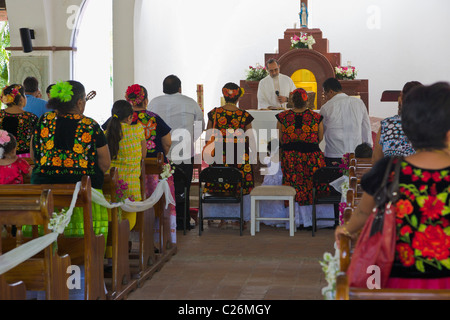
column 221, row 175
column 321, row 176
column 183, row 198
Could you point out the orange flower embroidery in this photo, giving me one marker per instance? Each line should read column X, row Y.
column 68, row 163
column 56, row 161
column 44, row 133
column 86, row 137
column 83, row 163
column 78, row 148
column 49, row 145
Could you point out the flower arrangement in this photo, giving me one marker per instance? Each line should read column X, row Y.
column 346, row 73
column 345, row 167
column 302, row 41
column 167, row 172
column 256, row 73
column 345, row 164
column 330, row 266
column 121, row 190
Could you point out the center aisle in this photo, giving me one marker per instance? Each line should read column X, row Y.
column 221, row 265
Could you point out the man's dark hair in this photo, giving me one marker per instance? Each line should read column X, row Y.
column 171, row 84
column 332, row 84
column 364, row 150
column 31, row 84
column 426, row 116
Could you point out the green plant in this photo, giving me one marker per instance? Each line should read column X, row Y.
column 4, row 54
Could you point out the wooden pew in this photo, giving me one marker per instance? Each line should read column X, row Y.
column 344, row 292
column 88, row 250
column 150, row 261
column 122, row 282
column 43, row 272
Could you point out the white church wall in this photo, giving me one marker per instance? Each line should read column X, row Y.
column 53, row 23
column 209, row 42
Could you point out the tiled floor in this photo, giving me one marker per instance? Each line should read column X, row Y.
column 221, row 265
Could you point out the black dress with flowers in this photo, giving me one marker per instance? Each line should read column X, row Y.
column 423, row 219
column 21, row 126
column 229, row 123
column 65, row 149
column 300, row 152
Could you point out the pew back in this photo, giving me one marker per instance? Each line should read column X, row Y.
column 43, row 272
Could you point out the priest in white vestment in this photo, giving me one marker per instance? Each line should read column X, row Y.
column 274, row 90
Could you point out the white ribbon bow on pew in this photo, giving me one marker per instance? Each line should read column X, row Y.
column 59, row 222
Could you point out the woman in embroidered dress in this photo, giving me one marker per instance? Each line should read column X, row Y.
column 67, row 145
column 422, row 251
column 234, row 124
column 390, row 139
column 127, row 146
column 15, row 120
column 301, row 131
column 157, row 135
column 12, row 168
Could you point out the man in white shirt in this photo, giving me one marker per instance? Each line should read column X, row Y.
column 274, row 90
column 185, row 117
column 345, row 120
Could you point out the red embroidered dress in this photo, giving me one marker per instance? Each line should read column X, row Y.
column 423, row 221
column 300, row 152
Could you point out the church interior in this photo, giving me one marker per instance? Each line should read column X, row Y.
column 109, row 45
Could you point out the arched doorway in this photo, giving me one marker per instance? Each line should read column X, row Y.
column 311, row 60
column 92, row 62
column 304, row 78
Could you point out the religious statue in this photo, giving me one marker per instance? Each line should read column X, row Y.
column 303, row 16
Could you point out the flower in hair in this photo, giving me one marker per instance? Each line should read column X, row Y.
column 302, row 92
column 4, row 137
column 231, row 93
column 62, row 91
column 9, row 98
column 135, row 94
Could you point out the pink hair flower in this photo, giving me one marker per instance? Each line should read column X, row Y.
column 4, row 137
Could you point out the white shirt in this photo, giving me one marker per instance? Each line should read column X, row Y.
column 266, row 91
column 185, row 118
column 346, row 125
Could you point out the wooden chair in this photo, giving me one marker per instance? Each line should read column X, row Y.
column 45, row 271
column 122, row 282
column 88, row 250
column 344, row 292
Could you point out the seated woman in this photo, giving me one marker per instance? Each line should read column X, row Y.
column 390, row 139
column 67, row 145
column 301, row 131
column 234, row 122
column 422, row 240
column 15, row 120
